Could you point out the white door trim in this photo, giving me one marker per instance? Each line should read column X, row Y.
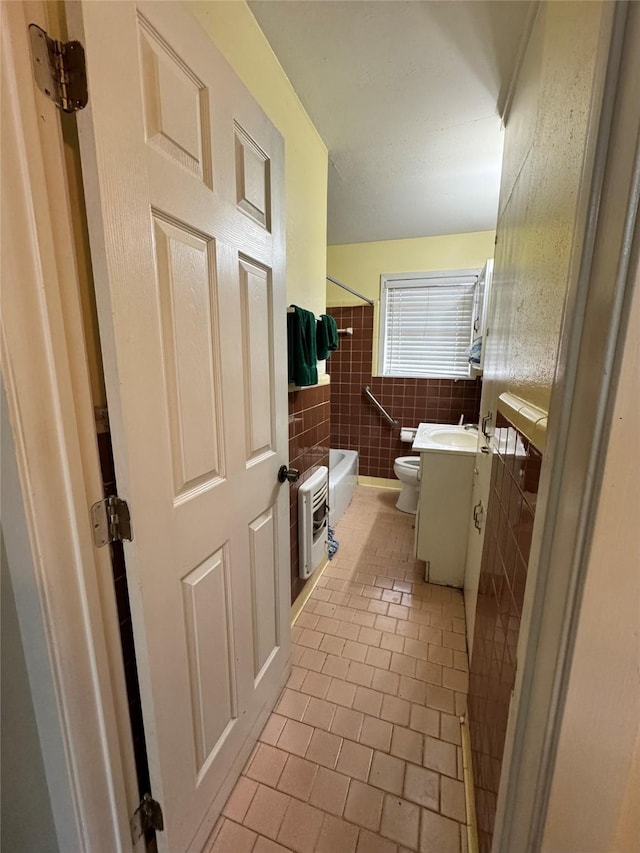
column 66, row 608
column 602, row 279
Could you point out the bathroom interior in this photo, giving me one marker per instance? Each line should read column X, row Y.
column 437, row 180
column 449, row 455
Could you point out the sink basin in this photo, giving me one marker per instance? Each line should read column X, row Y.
column 466, row 439
column 451, row 437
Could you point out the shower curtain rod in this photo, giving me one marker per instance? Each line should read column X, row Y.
column 350, row 289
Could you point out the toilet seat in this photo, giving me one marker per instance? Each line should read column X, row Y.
column 408, row 462
column 406, row 469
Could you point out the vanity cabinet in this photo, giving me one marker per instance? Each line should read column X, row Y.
column 442, row 520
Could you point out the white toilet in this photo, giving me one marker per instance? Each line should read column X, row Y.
column 406, row 470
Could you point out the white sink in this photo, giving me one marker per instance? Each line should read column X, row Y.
column 446, row 437
column 452, row 437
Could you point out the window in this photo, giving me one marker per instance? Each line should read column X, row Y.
column 426, row 324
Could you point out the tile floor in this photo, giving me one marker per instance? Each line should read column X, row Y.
column 362, row 753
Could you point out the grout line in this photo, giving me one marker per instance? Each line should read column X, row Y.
column 469, row 795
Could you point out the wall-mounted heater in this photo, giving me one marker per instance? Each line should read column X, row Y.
column 313, row 520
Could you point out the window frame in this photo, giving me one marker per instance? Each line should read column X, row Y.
column 386, row 279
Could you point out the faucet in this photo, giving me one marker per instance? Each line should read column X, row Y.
column 471, row 426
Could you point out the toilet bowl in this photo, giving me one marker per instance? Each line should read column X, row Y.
column 406, row 470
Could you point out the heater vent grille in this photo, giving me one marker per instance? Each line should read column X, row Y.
column 313, row 520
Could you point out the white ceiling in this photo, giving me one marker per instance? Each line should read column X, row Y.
column 406, row 96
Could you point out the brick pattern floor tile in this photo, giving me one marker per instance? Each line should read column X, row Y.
column 362, row 753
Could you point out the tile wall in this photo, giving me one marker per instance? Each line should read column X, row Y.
column 309, row 433
column 356, row 425
column 503, row 575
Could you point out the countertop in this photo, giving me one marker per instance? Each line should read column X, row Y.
column 445, row 438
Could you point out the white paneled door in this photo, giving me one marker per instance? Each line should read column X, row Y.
column 184, row 187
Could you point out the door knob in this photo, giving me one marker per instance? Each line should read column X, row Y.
column 290, row 474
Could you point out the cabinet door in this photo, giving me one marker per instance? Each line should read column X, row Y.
column 445, row 494
column 475, row 542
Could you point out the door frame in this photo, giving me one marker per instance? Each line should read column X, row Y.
column 64, row 589
column 602, row 277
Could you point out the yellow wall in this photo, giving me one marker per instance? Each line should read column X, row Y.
column 360, row 265
column 235, row 32
column 545, row 138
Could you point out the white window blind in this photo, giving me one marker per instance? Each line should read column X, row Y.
column 426, row 325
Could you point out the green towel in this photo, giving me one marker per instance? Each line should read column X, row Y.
column 301, row 347
column 326, row 336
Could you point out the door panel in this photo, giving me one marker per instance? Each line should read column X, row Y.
column 253, row 185
column 257, row 319
column 184, row 186
column 174, row 101
column 264, row 590
column 185, row 264
column 210, row 629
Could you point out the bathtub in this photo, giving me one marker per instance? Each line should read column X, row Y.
column 343, row 476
